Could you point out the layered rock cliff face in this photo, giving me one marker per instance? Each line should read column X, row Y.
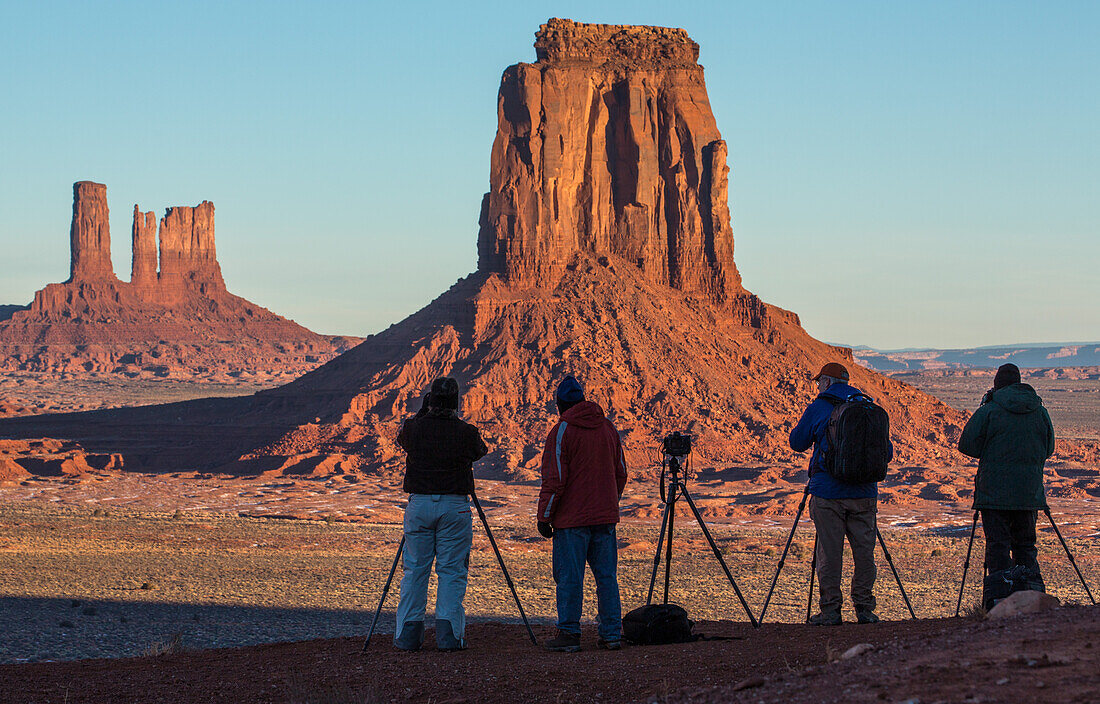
column 607, row 145
column 188, row 258
column 605, row 251
column 178, row 320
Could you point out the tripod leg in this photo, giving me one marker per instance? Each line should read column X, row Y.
column 385, row 591
column 966, row 564
column 657, row 556
column 1069, row 555
column 718, row 554
column 893, row 569
column 813, row 573
column 500, row 559
column 668, row 545
column 783, row 557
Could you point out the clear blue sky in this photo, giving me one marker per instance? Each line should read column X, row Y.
column 903, row 173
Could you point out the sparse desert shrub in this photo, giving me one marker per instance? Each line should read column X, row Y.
column 98, row 513
column 299, row 692
column 166, row 646
column 936, row 552
column 975, row 611
column 177, row 515
column 770, row 551
column 330, row 519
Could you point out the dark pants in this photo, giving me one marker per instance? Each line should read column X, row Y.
column 1009, row 539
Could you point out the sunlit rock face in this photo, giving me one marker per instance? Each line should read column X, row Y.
column 607, row 145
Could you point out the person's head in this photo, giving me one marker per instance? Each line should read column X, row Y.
column 569, row 394
column 1007, row 375
column 444, row 394
column 831, row 373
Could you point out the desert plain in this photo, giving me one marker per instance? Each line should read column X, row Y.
column 196, row 572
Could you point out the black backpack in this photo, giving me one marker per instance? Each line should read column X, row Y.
column 658, row 623
column 1003, row 583
column 859, row 441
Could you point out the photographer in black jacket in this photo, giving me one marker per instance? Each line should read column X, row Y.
column 439, row 478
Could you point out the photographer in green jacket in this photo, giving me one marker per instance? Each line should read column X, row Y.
column 1011, row 436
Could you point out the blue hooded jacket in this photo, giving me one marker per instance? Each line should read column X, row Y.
column 813, row 429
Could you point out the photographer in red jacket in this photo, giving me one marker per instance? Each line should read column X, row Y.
column 583, row 476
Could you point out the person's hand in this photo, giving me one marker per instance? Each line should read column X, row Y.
column 545, row 530
column 987, row 397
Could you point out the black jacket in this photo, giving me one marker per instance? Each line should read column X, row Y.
column 441, row 453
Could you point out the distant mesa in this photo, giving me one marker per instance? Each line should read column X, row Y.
column 173, row 318
column 605, row 250
column 1072, row 360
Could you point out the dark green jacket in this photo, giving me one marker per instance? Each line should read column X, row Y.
column 1012, row 437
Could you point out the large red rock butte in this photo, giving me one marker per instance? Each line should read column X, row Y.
column 175, row 320
column 605, row 251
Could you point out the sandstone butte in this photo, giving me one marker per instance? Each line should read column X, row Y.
column 605, row 250
column 175, row 319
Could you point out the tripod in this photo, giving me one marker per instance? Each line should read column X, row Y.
column 1065, row 546
column 813, row 565
column 500, row 560
column 677, row 487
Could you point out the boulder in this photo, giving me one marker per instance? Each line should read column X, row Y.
column 1023, row 602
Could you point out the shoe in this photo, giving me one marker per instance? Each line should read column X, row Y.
column 866, row 616
column 602, row 644
column 411, row 638
column 826, row 618
column 565, row 643
column 445, row 638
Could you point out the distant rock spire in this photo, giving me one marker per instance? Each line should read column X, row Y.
column 90, row 234
column 143, row 272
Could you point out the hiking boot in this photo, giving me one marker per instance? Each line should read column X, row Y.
column 826, row 618
column 411, row 637
column 602, row 644
column 565, row 643
column 866, row 616
column 445, row 638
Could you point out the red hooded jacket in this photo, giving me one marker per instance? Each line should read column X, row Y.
column 583, row 470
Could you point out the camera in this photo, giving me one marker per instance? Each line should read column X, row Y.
column 677, row 444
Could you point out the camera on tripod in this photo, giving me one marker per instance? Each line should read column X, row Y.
column 676, row 445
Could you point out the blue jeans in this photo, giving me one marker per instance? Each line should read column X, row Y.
column 438, row 527
column 597, row 546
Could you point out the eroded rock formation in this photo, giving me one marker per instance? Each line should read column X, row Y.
column 187, row 254
column 90, row 234
column 605, row 251
column 178, row 321
column 143, row 272
column 607, row 145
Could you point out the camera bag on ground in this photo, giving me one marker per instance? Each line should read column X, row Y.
column 859, row 441
column 1003, row 583
column 656, row 624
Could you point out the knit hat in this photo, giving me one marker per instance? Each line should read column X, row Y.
column 570, row 390
column 1007, row 375
column 444, row 393
column 833, row 369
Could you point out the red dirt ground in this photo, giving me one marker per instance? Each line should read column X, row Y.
column 1040, row 658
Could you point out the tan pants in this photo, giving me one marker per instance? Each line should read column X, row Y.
column 834, row 519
